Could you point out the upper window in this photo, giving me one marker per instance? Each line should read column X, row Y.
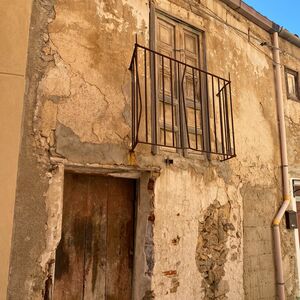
column 180, row 42
column 176, row 103
column 292, row 84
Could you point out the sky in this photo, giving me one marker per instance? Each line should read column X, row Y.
column 285, row 13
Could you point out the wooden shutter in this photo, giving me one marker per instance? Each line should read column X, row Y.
column 191, row 56
column 167, row 86
column 181, row 42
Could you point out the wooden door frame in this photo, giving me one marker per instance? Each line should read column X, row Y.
column 54, row 202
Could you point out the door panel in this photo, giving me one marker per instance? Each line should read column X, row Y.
column 120, row 241
column 94, row 256
column 69, row 267
column 191, row 80
column 167, row 92
column 96, row 236
column 191, row 47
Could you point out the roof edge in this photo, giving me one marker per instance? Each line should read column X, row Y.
column 263, row 22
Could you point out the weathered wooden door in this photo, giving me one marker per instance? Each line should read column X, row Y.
column 180, row 42
column 94, row 259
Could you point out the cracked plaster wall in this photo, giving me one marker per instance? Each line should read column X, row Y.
column 78, row 108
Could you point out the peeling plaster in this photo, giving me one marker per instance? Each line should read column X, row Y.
column 57, row 82
column 103, row 13
column 212, row 249
column 54, row 204
column 138, row 9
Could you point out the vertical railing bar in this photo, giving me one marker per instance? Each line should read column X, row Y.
column 164, row 103
column 214, row 110
column 184, row 108
column 208, row 115
column 133, row 103
column 221, row 122
column 146, row 95
column 139, row 101
column 136, row 95
column 225, row 123
column 201, row 112
column 139, row 110
column 172, row 102
column 155, row 101
column 227, row 120
column 180, row 109
column 195, row 113
column 177, row 107
column 231, row 111
column 225, row 117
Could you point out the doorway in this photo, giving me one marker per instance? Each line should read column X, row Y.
column 94, row 259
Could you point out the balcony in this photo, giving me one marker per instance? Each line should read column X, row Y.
column 179, row 106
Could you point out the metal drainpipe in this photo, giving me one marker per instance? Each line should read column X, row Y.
column 285, row 175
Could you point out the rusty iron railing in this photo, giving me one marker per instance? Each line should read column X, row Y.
column 177, row 105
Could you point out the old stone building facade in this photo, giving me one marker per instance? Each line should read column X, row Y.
column 150, row 162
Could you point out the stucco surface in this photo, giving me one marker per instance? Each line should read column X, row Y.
column 14, row 24
column 12, row 91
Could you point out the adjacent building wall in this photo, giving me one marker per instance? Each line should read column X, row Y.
column 290, row 58
column 210, row 227
column 14, row 24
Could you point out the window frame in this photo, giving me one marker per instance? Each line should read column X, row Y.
column 296, row 75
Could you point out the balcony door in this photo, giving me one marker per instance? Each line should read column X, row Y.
column 179, row 86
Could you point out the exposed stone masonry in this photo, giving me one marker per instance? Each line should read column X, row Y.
column 212, row 250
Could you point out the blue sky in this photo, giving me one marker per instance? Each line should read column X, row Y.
column 285, row 13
